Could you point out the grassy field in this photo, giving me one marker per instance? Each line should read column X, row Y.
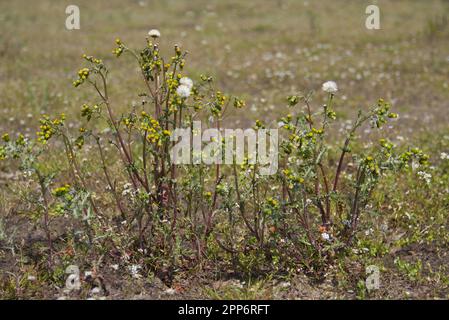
column 261, row 51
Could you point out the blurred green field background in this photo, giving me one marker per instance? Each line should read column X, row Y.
column 260, row 50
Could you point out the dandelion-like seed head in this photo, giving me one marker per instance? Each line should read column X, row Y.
column 330, row 87
column 183, row 91
column 154, row 33
column 185, row 81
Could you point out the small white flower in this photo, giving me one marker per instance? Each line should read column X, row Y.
column 134, row 270
column 186, row 82
column 183, row 91
column 170, row 291
column 95, row 290
column 128, row 191
column 154, row 33
column 425, row 176
column 281, row 124
column 31, row 278
column 114, row 267
column 330, row 87
column 325, row 236
column 444, row 156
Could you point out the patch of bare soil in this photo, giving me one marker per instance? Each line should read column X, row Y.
column 29, row 247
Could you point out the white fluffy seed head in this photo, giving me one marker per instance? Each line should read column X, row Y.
column 185, row 81
column 183, row 91
column 330, row 87
column 154, row 33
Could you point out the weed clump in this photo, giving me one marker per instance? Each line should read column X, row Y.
column 134, row 204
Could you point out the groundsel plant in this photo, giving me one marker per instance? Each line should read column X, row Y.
column 136, row 201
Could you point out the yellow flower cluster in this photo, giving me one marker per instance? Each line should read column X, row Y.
column 119, row 50
column 387, row 146
column 291, row 178
column 11, row 150
column 259, row 125
column 172, row 81
column 151, row 61
column 372, row 165
column 422, row 157
column 177, row 58
column 239, row 103
column 49, row 127
column 88, row 111
column 61, row 191
column 153, row 129
column 292, row 100
column 5, row 137
column 92, row 59
column 331, row 114
column 129, row 122
column 20, row 140
column 172, row 84
column 294, row 138
column 83, row 74
column 272, row 202
column 381, row 113
column 207, row 195
column 218, row 104
column 317, row 131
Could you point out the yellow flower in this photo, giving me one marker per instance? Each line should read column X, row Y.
column 5, row 137
column 238, row 103
column 208, row 194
